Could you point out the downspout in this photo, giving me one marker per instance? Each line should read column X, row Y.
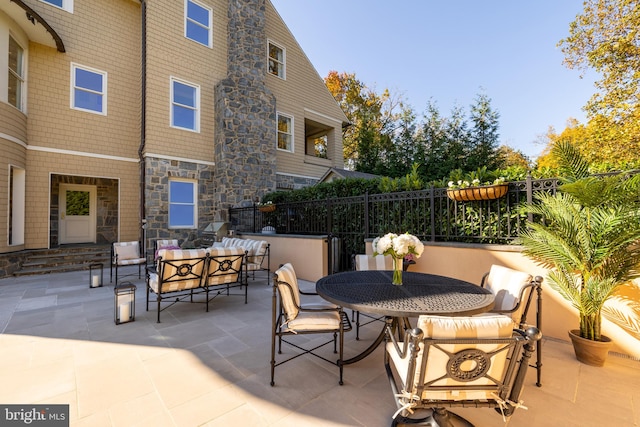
column 143, row 99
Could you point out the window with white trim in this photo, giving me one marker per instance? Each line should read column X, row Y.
column 62, row 4
column 276, row 60
column 185, row 105
column 16, row 74
column 198, row 22
column 285, row 132
column 182, row 203
column 88, row 89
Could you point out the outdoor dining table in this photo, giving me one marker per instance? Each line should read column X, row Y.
column 372, row 292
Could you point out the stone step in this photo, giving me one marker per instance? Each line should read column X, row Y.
column 67, row 258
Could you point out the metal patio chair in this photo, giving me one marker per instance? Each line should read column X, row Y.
column 290, row 318
column 447, row 362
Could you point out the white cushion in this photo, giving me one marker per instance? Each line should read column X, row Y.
column 306, row 321
column 506, row 284
column 126, row 250
column 290, row 298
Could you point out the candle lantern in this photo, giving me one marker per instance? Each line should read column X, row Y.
column 95, row 275
column 125, row 302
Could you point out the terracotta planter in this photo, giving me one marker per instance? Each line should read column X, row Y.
column 267, row 208
column 485, row 192
column 590, row 352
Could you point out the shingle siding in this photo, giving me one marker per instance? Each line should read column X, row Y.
column 55, row 143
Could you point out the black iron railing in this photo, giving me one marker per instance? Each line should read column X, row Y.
column 428, row 214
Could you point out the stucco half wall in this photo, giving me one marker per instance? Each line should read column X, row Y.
column 308, row 255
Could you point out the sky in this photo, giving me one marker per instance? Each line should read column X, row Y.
column 450, row 51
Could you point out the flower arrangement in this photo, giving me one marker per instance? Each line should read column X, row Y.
column 399, row 247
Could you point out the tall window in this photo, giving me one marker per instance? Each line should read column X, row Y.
column 62, row 4
column 197, row 23
column 285, row 132
column 182, row 204
column 88, row 89
column 16, row 74
column 276, row 60
column 185, row 105
column 16, row 205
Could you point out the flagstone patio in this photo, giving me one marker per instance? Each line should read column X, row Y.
column 60, row 345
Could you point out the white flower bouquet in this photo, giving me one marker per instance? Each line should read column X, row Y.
column 398, row 246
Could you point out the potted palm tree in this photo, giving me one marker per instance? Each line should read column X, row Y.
column 588, row 235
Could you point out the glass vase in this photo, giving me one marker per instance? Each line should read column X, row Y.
column 397, row 270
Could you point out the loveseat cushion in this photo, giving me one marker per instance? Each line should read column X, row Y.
column 178, row 270
column 256, row 250
column 225, row 265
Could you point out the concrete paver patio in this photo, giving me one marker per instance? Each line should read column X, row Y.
column 60, row 345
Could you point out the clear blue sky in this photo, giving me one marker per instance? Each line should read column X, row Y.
column 449, row 51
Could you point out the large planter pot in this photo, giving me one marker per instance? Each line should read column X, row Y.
column 590, row 352
column 484, row 192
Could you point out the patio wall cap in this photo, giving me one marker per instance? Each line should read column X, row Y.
column 482, row 246
column 288, row 236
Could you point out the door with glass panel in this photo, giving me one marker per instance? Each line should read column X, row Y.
column 77, row 213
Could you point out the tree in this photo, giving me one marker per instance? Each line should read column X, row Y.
column 606, row 37
column 372, row 116
column 509, row 157
column 483, row 135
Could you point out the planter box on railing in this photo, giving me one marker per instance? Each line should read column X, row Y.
column 267, row 208
column 484, row 192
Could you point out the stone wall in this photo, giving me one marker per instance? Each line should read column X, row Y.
column 245, row 113
column 158, row 172
column 291, row 182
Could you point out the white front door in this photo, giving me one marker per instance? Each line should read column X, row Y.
column 77, row 213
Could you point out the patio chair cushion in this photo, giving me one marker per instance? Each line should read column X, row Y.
column 128, row 253
column 371, row 262
column 289, row 295
column 225, row 265
column 256, row 250
column 166, row 244
column 506, row 284
column 180, row 269
column 309, row 321
column 486, row 325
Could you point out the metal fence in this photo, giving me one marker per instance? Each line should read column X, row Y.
column 428, row 214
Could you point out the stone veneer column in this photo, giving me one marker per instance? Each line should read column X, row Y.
column 245, row 113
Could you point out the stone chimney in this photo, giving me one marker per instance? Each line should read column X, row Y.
column 245, row 113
